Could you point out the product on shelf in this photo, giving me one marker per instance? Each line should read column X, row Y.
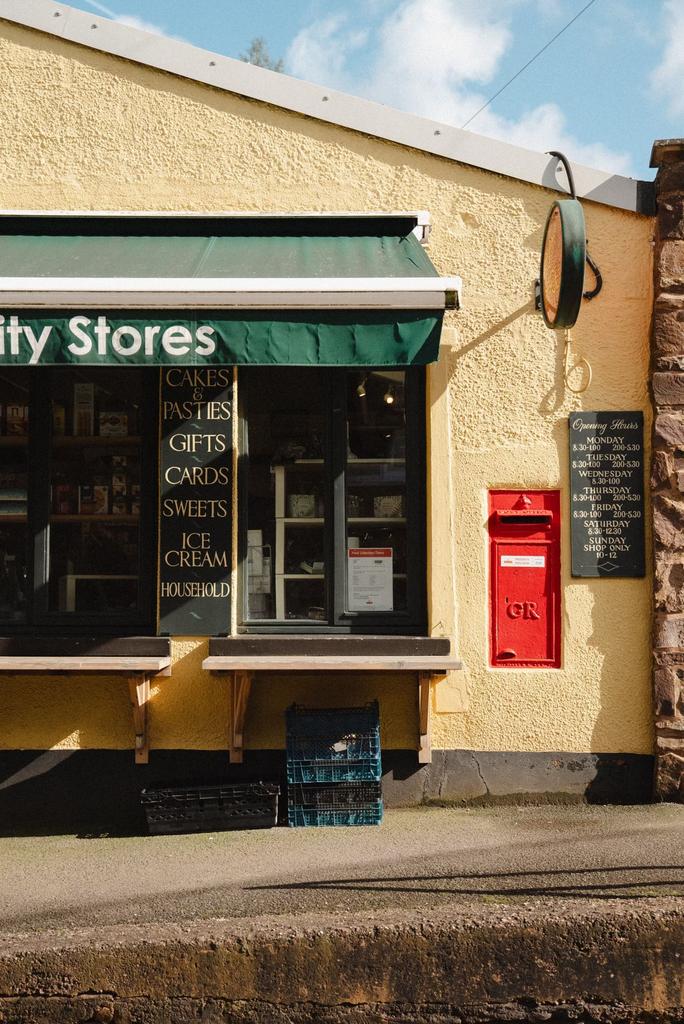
column 64, row 499
column 388, row 506
column 12, row 494
column 84, row 410
column 93, row 499
column 302, row 506
column 112, row 423
column 58, row 419
column 119, row 485
column 13, row 500
column 354, row 506
column 16, row 419
column 13, row 508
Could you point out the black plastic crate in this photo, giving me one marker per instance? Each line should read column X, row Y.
column 210, row 808
column 333, row 744
column 349, row 803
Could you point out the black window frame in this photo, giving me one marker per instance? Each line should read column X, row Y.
column 340, row 621
column 39, row 618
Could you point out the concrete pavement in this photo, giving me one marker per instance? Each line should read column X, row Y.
column 486, row 911
column 417, row 859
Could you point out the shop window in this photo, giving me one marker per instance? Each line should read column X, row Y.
column 76, row 518
column 332, row 499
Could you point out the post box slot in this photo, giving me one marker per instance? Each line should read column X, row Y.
column 524, row 517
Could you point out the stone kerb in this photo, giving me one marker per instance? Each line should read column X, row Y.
column 667, row 470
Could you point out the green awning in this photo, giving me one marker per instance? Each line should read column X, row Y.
column 305, row 290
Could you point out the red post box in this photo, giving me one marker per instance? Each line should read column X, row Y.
column 524, row 579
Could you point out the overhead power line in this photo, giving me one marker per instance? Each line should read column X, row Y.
column 530, row 61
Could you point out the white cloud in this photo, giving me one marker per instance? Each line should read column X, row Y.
column 323, row 50
column 545, row 127
column 432, row 58
column 108, row 13
column 146, row 26
column 668, row 78
column 131, row 19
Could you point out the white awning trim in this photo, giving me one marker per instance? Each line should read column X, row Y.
column 231, row 293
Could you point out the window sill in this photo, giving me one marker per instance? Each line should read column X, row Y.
column 341, row 653
column 150, row 655
column 324, row 645
column 84, row 648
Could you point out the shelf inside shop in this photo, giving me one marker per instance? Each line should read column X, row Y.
column 111, row 441
column 350, row 461
column 104, row 517
column 383, row 521
column 301, row 520
column 301, row 575
column 302, row 462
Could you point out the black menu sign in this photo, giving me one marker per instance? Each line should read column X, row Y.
column 195, row 500
column 607, row 493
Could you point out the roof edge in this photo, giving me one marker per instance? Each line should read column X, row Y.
column 328, row 105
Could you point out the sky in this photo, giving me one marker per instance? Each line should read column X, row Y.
column 601, row 93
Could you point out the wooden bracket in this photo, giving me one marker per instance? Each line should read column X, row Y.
column 425, row 738
column 139, row 689
column 240, row 689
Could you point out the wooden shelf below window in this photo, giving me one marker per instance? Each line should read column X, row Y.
column 13, row 519
column 352, row 654
column 137, row 669
column 13, row 441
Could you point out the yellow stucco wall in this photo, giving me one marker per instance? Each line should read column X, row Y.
column 87, row 131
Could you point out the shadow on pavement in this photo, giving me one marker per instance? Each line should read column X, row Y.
column 567, row 883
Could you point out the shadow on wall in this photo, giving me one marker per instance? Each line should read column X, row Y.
column 97, row 792
column 625, row 718
column 490, row 778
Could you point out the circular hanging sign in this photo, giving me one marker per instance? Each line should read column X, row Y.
column 562, row 264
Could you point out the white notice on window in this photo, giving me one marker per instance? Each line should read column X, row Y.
column 524, row 561
column 369, row 579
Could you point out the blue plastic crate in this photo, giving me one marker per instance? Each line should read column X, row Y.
column 310, row 817
column 333, row 744
column 363, row 770
column 343, row 804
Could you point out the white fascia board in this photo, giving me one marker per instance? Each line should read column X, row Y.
column 236, row 76
column 231, row 293
column 421, row 217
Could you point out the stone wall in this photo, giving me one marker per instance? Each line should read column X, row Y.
column 668, row 469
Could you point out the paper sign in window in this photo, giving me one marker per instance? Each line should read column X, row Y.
column 369, row 579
